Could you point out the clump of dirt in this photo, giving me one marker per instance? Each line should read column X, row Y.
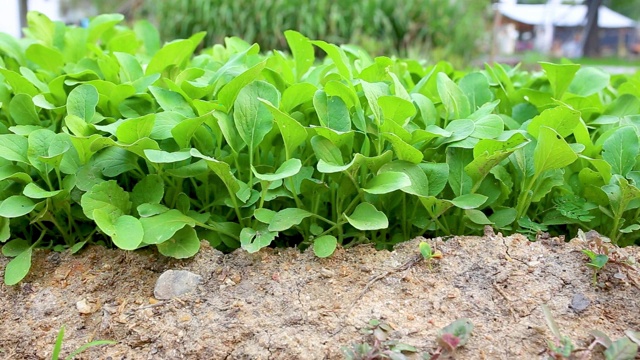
column 283, row 304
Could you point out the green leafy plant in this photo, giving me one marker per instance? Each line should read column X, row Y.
column 378, row 345
column 451, row 338
column 55, row 355
column 427, row 253
column 108, row 136
column 563, row 348
column 597, row 262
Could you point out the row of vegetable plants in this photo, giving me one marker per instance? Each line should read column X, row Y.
column 108, row 137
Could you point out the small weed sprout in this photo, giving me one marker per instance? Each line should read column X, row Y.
column 379, row 346
column 597, row 262
column 428, row 253
column 55, row 355
column 562, row 347
column 450, row 338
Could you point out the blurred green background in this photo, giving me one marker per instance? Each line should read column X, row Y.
column 427, row 29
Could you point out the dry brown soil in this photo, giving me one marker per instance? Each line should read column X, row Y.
column 283, row 304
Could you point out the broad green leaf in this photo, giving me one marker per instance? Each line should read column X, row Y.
column 175, row 53
column 82, row 102
column 18, row 268
column 130, row 69
column 172, row 101
column 15, row 206
column 477, row 217
column 621, row 349
column 5, row 230
column 287, row 169
column 132, row 130
column 338, row 56
column 149, row 190
column 387, row 182
column 561, row 119
column 560, row 76
column 15, row 247
column 160, row 228
column 457, row 159
column 552, row 151
column 298, row 94
column 396, row 109
column 403, row 150
column 164, row 157
column 488, row 127
column 339, row 89
column 22, row 110
column 149, row 36
column 367, row 217
column 293, row 134
column 188, row 130
column 621, row 149
column 332, row 111
column 101, row 23
column 489, row 153
column 475, row 86
column 287, row 218
column 469, row 201
column 229, row 93
column 326, row 151
column 254, row 240
column 324, row 246
column 251, row 117
column 107, row 196
column 183, row 244
column 454, row 100
column 589, row 81
column 264, row 215
column 18, row 83
column 222, row 169
column 372, row 92
column 146, row 210
column 419, row 181
column 14, row 148
column 114, row 161
column 36, row 192
column 128, row 233
column 302, row 52
column 503, row 217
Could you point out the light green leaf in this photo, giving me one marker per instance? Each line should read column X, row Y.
column 477, row 217
column 15, row 247
column 14, row 148
column 589, row 81
column 489, row 152
column 396, row 109
column 454, row 100
column 162, row 227
column 302, row 52
column 621, row 149
column 107, row 196
column 387, row 182
column 172, row 101
column 15, row 206
column 132, row 130
column 332, row 111
column 287, row 218
column 128, row 233
column 288, row 169
column 324, row 246
column 560, row 118
column 621, row 349
column 229, row 93
column 252, row 118
column 149, row 190
column 36, row 192
column 367, row 217
column 560, row 76
column 82, row 102
column 469, row 201
column 183, row 244
column 18, row 268
column 475, row 86
column 22, row 110
column 254, row 240
column 293, row 134
column 552, row 151
column 403, row 150
column 175, row 53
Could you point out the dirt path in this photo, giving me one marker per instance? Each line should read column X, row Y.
column 281, row 304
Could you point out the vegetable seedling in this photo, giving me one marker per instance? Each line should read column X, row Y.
column 428, row 253
column 597, row 262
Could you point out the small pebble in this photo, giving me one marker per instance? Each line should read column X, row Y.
column 579, row 303
column 173, row 283
column 83, row 307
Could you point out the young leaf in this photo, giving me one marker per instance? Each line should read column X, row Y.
column 454, row 100
column 367, row 217
column 254, row 240
column 302, row 52
column 552, row 151
column 621, row 149
column 387, row 182
column 560, row 76
column 160, row 228
column 82, row 102
column 469, row 201
column 15, row 206
column 174, row 53
column 621, row 349
column 15, row 247
column 287, row 169
column 562, row 119
column 252, row 119
column 324, row 246
column 107, row 196
column 128, row 233
column 183, row 244
column 286, row 218
column 18, row 267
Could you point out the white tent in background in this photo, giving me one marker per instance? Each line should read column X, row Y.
column 564, row 15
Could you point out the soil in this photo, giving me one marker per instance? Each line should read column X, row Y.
column 283, row 304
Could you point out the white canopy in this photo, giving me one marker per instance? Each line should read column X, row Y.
column 564, row 15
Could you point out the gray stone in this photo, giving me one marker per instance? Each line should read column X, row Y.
column 173, row 283
column 579, row 303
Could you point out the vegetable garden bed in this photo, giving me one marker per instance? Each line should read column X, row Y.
column 108, row 138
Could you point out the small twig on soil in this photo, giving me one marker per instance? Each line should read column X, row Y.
column 147, row 306
column 513, row 313
column 407, row 265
